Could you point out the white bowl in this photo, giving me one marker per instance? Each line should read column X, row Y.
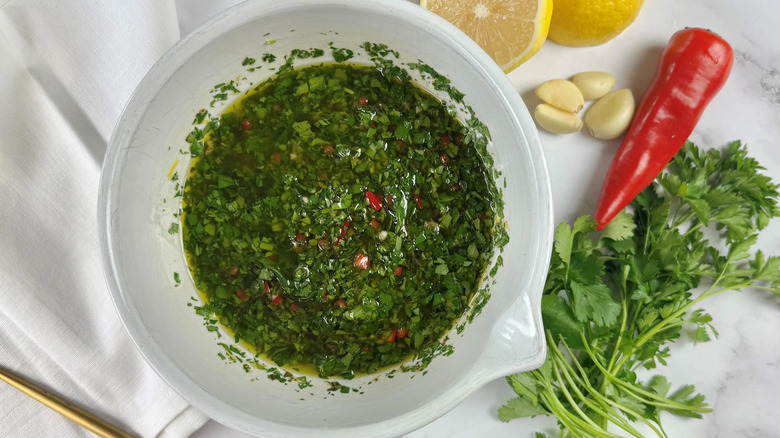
column 137, row 206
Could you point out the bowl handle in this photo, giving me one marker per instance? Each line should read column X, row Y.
column 516, row 343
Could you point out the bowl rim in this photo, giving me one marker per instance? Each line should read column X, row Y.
column 135, row 108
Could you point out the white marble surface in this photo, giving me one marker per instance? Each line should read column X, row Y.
column 740, row 372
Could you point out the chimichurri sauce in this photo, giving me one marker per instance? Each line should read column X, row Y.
column 338, row 217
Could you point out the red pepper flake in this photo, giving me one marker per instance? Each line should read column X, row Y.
column 399, row 270
column 362, row 101
column 342, row 232
column 341, row 303
column 446, row 140
column 266, row 287
column 361, row 261
column 276, row 301
column 444, row 159
column 294, row 307
column 328, row 149
column 375, row 223
column 391, row 336
column 456, row 186
column 276, row 157
column 233, row 271
column 246, row 124
column 418, row 201
column 401, row 332
column 373, row 200
column 241, row 295
column 300, row 237
column 389, row 200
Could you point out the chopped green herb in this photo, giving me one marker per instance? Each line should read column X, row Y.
column 294, row 255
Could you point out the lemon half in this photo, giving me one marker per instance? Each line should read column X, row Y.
column 591, row 22
column 510, row 31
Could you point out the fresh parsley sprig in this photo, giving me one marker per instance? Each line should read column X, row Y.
column 614, row 301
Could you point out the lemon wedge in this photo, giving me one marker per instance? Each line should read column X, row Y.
column 510, row 31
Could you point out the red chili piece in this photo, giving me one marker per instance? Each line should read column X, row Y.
column 276, row 157
column 391, row 336
column 375, row 223
column 246, row 124
column 294, row 307
column 266, row 286
column 401, row 332
column 399, row 270
column 241, row 295
column 693, row 67
column 444, row 159
column 342, row 232
column 361, row 261
column 373, row 200
column 341, row 303
column 300, row 237
column 328, row 149
column 276, row 301
column 363, row 101
column 446, row 140
column 389, row 200
column 418, row 201
column 233, row 271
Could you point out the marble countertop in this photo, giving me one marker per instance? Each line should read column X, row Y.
column 739, row 373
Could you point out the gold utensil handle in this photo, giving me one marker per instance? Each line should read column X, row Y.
column 64, row 407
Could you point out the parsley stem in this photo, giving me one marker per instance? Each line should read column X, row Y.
column 649, row 397
column 605, row 405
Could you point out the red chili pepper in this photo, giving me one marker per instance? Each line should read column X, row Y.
column 445, row 139
column 246, row 124
column 276, row 301
column 361, row 261
column 266, row 286
column 241, row 295
column 375, row 223
column 328, row 149
column 276, row 157
column 294, row 307
column 233, row 271
column 363, row 101
column 341, row 303
column 693, row 67
column 399, row 270
column 373, row 200
column 300, row 237
column 418, row 201
column 391, row 336
column 444, row 159
column 401, row 332
column 389, row 200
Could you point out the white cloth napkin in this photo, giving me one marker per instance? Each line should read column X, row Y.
column 67, row 68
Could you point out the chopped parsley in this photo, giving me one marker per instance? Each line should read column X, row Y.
column 339, row 216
